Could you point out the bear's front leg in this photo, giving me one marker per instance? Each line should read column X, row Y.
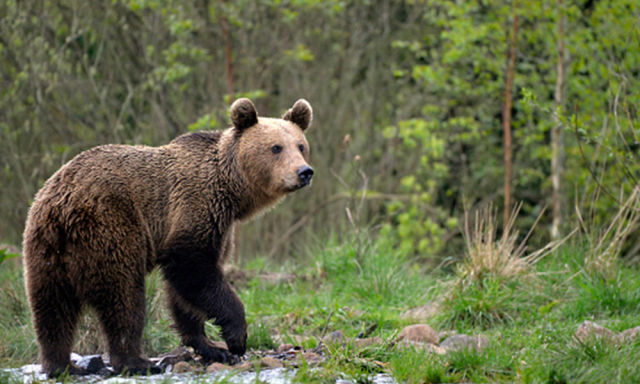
column 190, row 324
column 198, row 291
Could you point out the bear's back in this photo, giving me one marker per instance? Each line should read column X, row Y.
column 98, row 183
column 106, row 171
column 120, row 179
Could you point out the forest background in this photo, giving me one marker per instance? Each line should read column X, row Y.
column 422, row 109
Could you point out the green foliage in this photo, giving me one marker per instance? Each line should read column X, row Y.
column 259, row 336
column 417, row 224
column 418, row 367
column 482, row 304
column 144, row 71
column 15, row 318
column 600, row 297
column 205, row 123
column 6, row 255
column 374, row 272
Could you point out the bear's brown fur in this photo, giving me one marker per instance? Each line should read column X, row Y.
column 115, row 212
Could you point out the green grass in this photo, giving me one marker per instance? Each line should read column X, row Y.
column 358, row 286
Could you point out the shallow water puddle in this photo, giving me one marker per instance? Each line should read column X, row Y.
column 31, row 374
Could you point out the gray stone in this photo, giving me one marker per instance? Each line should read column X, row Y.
column 589, row 330
column 423, row 312
column 362, row 343
column 465, row 342
column 628, row 336
column 420, row 346
column 444, row 334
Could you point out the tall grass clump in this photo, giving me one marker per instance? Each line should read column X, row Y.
column 603, row 286
column 605, row 245
column 493, row 281
column 591, row 361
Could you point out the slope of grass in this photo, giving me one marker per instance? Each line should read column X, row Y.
column 361, row 287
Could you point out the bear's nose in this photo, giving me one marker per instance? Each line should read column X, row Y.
column 305, row 173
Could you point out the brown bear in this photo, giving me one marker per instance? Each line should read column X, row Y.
column 116, row 212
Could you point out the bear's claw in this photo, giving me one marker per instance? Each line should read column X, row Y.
column 212, row 354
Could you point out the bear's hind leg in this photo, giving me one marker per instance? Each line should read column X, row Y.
column 121, row 311
column 114, row 282
column 55, row 315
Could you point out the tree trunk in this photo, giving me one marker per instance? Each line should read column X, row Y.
column 557, row 139
column 224, row 25
column 506, row 114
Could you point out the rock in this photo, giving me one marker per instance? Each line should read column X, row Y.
column 311, row 358
column 182, row 367
column 419, row 332
column 628, row 336
column 417, row 345
column 282, row 348
column 444, row 334
column 423, row 312
column 465, row 342
column 92, row 364
column 362, row 343
column 271, row 362
column 589, row 330
column 217, row 367
column 244, row 366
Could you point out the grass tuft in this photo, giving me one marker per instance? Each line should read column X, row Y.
column 493, row 284
column 605, row 245
column 503, row 258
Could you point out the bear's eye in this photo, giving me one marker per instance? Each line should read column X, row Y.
column 301, row 147
column 276, row 149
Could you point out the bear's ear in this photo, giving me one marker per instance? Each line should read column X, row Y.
column 300, row 114
column 243, row 114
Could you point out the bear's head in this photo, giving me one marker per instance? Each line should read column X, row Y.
column 272, row 153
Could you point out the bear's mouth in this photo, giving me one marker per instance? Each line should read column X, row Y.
column 300, row 185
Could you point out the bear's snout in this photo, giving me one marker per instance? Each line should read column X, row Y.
column 304, row 174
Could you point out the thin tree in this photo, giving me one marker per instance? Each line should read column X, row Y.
column 228, row 52
column 557, row 139
column 506, row 112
